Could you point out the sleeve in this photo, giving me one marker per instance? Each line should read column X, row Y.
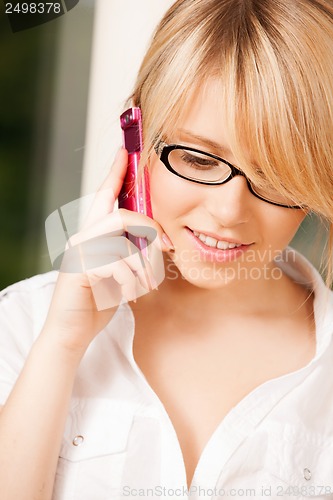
column 23, row 308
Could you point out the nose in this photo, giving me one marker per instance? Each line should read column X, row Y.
column 230, row 203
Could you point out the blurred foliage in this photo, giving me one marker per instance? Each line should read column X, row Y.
column 44, row 79
column 19, row 76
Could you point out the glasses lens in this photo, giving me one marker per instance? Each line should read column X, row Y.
column 269, row 193
column 198, row 166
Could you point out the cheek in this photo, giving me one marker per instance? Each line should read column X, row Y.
column 171, row 197
column 283, row 226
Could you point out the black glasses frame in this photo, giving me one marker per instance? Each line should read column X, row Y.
column 163, row 150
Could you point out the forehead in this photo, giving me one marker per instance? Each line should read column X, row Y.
column 204, row 114
column 204, row 121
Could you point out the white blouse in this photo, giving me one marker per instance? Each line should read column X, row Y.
column 119, row 441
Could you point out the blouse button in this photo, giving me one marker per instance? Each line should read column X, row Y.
column 78, row 440
column 307, row 474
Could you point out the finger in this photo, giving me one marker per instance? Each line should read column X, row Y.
column 116, row 175
column 110, row 224
column 149, row 276
column 121, row 273
column 123, row 276
column 108, row 192
column 121, row 221
column 154, row 266
column 103, row 250
column 126, row 279
column 143, row 226
column 135, row 263
column 111, row 283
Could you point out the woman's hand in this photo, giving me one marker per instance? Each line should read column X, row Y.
column 101, row 267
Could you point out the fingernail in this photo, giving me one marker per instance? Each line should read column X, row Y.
column 153, row 282
column 166, row 240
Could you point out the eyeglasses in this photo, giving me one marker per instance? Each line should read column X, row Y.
column 205, row 168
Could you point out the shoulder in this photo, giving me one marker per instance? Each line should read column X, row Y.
column 303, row 272
column 40, row 281
column 26, row 303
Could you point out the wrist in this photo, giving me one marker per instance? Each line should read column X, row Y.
column 58, row 344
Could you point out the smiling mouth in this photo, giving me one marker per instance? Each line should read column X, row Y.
column 219, row 244
column 213, row 243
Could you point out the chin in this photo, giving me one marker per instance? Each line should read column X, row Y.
column 207, row 277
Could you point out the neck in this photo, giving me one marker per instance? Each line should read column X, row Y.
column 246, row 296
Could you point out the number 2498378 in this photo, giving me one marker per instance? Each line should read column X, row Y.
column 33, row 8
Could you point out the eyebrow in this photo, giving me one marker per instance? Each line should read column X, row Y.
column 204, row 141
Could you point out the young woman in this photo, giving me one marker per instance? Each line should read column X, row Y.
column 220, row 381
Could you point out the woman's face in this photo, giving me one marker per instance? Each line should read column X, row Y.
column 194, row 216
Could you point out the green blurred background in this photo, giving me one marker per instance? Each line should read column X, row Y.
column 44, row 80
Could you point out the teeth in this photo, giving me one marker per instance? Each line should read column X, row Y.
column 212, row 242
column 223, row 245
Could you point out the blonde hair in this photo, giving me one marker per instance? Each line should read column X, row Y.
column 273, row 60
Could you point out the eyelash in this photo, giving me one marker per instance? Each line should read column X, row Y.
column 195, row 162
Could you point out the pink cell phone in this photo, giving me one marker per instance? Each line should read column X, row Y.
column 135, row 192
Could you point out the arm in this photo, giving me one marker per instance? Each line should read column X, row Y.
column 32, row 421
column 33, row 418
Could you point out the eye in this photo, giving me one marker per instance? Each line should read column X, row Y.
column 199, row 161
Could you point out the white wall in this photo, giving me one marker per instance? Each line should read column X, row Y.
column 122, row 30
